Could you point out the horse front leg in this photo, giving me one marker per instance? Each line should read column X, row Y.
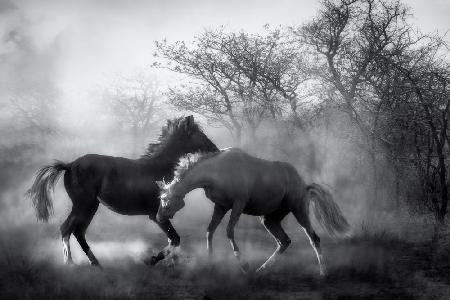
column 174, row 242
column 218, row 214
column 238, row 208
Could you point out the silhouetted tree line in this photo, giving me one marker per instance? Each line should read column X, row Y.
column 361, row 58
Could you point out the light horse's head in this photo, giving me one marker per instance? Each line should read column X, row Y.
column 172, row 200
column 172, row 194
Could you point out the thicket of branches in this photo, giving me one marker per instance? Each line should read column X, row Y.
column 362, row 58
column 136, row 103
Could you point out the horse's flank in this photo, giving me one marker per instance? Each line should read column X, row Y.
column 127, row 186
column 245, row 184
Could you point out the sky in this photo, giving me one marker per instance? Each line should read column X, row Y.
column 76, row 46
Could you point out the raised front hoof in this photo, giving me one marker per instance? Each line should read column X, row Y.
column 97, row 265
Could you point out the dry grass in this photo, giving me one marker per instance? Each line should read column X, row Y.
column 370, row 265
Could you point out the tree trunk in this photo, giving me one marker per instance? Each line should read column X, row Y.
column 397, row 187
column 253, row 134
column 444, row 191
column 135, row 140
column 373, row 160
column 237, row 134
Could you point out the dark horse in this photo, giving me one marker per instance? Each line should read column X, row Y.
column 126, row 186
column 234, row 180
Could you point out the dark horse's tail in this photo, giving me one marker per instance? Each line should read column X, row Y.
column 326, row 210
column 44, row 183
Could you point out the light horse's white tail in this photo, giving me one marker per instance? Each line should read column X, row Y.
column 326, row 210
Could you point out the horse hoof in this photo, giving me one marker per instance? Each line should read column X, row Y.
column 69, row 262
column 260, row 269
column 245, row 267
column 323, row 272
column 152, row 261
column 97, row 265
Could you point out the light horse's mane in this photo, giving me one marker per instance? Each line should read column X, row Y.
column 189, row 161
column 173, row 127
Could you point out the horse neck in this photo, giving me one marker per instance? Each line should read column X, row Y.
column 167, row 157
column 191, row 180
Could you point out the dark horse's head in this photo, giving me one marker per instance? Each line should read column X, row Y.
column 181, row 136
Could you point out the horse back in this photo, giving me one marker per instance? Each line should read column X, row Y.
column 264, row 184
column 124, row 185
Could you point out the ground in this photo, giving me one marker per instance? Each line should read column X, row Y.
column 370, row 265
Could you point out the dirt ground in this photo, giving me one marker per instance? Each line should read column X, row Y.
column 370, row 265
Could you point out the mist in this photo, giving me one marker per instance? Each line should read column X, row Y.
column 65, row 67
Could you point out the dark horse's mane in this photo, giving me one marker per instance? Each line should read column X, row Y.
column 172, row 128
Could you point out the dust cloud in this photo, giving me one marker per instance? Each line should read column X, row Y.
column 55, row 109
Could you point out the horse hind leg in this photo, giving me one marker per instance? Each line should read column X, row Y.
column 83, row 219
column 66, row 230
column 304, row 221
column 218, row 214
column 273, row 226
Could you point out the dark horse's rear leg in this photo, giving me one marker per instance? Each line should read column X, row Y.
column 80, row 232
column 77, row 223
column 174, row 241
column 66, row 230
column 85, row 205
column 272, row 223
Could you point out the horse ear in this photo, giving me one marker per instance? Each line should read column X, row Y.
column 161, row 184
column 189, row 123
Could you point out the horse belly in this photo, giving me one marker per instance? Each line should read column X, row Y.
column 125, row 201
column 262, row 206
column 265, row 199
column 129, row 208
column 218, row 197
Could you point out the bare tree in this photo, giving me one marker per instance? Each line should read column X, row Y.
column 34, row 113
column 207, row 69
column 348, row 37
column 136, row 101
column 237, row 79
column 427, row 76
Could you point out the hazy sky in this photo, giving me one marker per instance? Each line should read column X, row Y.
column 75, row 45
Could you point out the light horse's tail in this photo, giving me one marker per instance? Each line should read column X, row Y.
column 44, row 182
column 326, row 210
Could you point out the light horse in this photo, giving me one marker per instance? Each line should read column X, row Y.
column 126, row 186
column 235, row 180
